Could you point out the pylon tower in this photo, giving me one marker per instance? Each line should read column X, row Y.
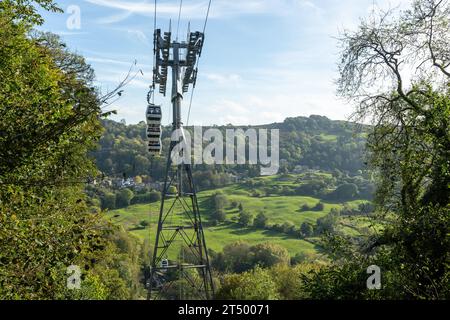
column 180, row 266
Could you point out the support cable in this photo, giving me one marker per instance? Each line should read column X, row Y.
column 179, row 17
column 198, row 61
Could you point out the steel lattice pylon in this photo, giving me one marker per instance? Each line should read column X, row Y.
column 187, row 276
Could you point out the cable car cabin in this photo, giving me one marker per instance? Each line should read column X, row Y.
column 154, row 133
column 155, row 147
column 164, row 263
column 153, row 130
column 154, row 115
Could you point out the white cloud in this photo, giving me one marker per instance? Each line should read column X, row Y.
column 115, row 18
column 108, row 61
column 139, row 35
column 224, row 79
column 197, row 9
column 296, row 78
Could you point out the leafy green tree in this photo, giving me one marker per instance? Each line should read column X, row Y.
column 220, row 215
column 327, row 224
column 220, row 201
column 109, row 201
column 124, row 197
column 306, row 229
column 252, row 285
column 305, row 207
column 291, row 281
column 245, row 218
column 144, row 223
column 260, row 221
column 269, row 254
column 172, row 190
column 237, row 256
column 319, row 206
column 26, row 11
column 345, row 192
column 155, row 196
column 403, row 60
column 288, row 227
column 50, row 120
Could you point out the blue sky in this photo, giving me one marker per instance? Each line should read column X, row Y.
column 263, row 60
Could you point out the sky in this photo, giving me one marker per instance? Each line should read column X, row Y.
column 262, row 61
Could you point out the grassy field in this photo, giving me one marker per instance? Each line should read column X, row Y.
column 278, row 209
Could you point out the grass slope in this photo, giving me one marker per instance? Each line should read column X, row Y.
column 279, row 209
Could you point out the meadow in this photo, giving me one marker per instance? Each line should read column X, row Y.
column 278, row 209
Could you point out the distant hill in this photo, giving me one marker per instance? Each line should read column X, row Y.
column 314, row 142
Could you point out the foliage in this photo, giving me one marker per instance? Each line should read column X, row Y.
column 245, row 218
column 260, row 221
column 240, row 256
column 50, row 120
column 328, row 223
column 251, row 285
column 306, row 229
column 123, row 151
column 124, row 197
column 409, row 147
column 268, row 254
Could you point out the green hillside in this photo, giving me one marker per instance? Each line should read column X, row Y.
column 279, row 210
column 313, row 142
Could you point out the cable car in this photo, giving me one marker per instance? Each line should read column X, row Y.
column 154, row 148
column 154, row 116
column 154, row 134
column 164, row 264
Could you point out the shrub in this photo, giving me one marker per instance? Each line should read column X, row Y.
column 305, row 207
column 319, row 207
column 257, row 284
column 245, row 218
column 260, row 221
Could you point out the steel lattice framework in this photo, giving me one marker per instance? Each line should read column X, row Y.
column 188, row 276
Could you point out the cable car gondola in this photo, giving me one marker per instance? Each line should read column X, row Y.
column 154, row 116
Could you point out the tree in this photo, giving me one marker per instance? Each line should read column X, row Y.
column 50, row 114
column 50, row 111
column 319, row 206
column 288, row 228
column 144, row 223
column 304, row 207
column 306, row 229
column 172, row 190
column 124, row 197
column 25, row 11
column 109, row 201
column 260, row 221
column 154, row 196
column 220, row 201
column 220, row 215
column 257, row 284
column 347, row 191
column 245, row 218
column 395, row 67
column 328, row 223
column 269, row 254
column 237, row 256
